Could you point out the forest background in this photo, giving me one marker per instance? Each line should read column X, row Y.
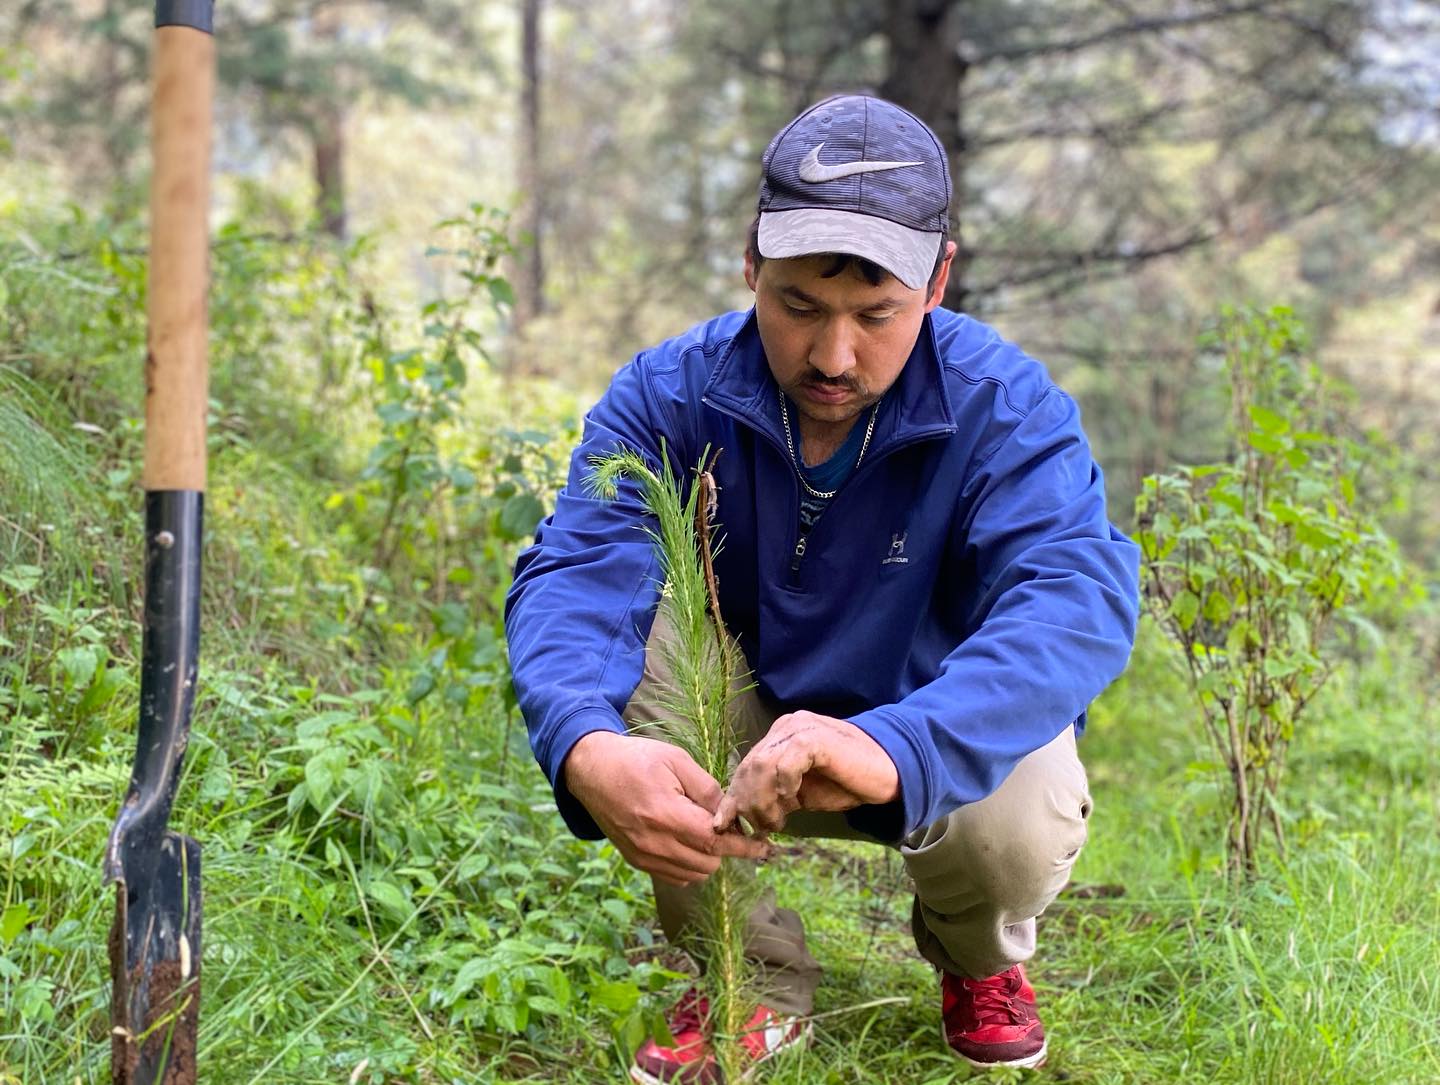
column 439, row 228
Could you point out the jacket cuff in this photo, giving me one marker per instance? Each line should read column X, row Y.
column 895, row 739
column 571, row 730
column 884, row 821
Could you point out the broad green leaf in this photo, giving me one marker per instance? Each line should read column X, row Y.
column 1265, row 442
column 615, row 995
column 1185, row 608
column 299, row 794
column 389, row 896
column 421, row 686
column 1298, row 631
column 520, row 515
column 506, row 1017
column 501, row 292
column 102, row 690
column 462, row 478
column 452, row 620
column 79, row 664
column 1217, row 608
column 319, row 725
column 395, row 414
column 1280, row 666
column 1312, row 534
column 13, row 921
column 1268, row 420
column 21, row 578
column 558, row 985
column 321, row 774
column 465, row 979
column 472, row 866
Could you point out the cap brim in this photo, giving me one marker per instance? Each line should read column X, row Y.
column 907, row 254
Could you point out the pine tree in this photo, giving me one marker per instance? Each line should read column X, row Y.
column 705, row 661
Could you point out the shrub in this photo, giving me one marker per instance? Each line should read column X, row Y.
column 1249, row 563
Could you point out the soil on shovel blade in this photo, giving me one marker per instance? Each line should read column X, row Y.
column 168, row 990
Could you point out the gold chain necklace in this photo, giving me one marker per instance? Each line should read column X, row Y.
column 800, row 470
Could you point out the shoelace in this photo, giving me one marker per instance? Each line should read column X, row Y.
column 690, row 1013
column 994, row 1003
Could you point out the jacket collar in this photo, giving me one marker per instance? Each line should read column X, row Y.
column 916, row 407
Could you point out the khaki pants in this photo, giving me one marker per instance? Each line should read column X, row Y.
column 981, row 875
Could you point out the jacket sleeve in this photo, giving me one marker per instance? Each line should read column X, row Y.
column 583, row 598
column 1059, row 599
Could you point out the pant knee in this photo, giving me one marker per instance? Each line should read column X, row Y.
column 1015, row 865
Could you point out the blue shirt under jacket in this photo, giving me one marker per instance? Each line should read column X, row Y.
column 962, row 600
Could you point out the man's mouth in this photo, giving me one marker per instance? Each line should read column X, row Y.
column 828, row 392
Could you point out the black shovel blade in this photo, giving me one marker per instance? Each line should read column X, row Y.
column 155, row 969
column 155, row 941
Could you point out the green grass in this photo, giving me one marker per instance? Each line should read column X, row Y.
column 1153, row 966
column 387, row 883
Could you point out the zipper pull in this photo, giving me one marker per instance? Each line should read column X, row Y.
column 799, row 553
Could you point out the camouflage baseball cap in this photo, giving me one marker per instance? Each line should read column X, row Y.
column 859, row 175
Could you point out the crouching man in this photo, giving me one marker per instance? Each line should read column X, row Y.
column 917, row 564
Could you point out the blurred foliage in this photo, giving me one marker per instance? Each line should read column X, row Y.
column 80, row 70
column 1122, row 170
column 356, row 770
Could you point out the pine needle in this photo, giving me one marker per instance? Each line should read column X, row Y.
column 703, row 666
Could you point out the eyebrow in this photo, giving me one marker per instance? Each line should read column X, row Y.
column 796, row 294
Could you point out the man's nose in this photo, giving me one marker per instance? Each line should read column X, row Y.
column 833, row 352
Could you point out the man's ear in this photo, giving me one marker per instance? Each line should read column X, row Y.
column 751, row 276
column 937, row 293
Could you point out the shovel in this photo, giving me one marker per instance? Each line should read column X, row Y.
column 155, row 939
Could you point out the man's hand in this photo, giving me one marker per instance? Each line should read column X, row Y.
column 655, row 804
column 807, row 762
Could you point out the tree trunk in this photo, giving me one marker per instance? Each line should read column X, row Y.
column 529, row 261
column 329, row 137
column 328, row 133
column 926, row 76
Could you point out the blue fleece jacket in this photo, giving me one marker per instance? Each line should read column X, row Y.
column 962, row 600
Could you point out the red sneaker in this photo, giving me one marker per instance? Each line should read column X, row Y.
column 992, row 1022
column 690, row 1061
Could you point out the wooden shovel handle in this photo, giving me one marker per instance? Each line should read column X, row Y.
column 176, row 363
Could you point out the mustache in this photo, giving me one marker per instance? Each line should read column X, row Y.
column 817, row 379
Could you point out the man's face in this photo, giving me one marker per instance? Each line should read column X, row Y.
column 835, row 345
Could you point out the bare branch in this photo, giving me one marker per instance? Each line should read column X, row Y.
column 1105, row 131
column 1065, row 263
column 1128, row 29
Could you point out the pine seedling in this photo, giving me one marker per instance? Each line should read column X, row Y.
column 704, row 661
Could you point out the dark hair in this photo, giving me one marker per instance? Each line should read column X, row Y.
column 870, row 271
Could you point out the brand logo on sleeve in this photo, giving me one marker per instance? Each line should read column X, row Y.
column 897, row 550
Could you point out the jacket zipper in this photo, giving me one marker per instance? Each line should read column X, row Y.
column 802, row 539
column 797, row 553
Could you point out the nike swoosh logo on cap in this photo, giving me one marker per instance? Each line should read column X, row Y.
column 814, row 171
